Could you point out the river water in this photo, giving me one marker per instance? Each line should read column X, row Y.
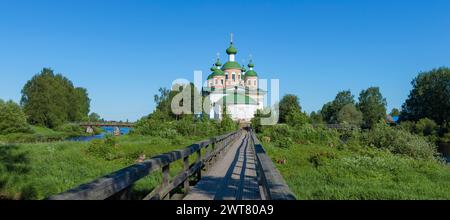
column 106, row 130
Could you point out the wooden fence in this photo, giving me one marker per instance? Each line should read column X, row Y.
column 273, row 185
column 118, row 185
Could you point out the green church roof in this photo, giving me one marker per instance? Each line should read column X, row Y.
column 231, row 49
column 237, row 99
column 216, row 72
column 231, row 65
column 250, row 73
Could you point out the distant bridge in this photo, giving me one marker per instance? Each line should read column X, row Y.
column 234, row 166
column 106, row 124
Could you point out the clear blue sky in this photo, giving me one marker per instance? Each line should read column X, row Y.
column 123, row 51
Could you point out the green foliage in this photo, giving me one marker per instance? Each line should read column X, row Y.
column 104, row 148
column 399, row 141
column 12, row 119
column 72, row 130
column 429, row 97
column 94, row 117
column 349, row 114
column 295, row 118
column 331, row 109
column 51, row 100
column 426, row 127
column 372, row 105
column 227, row 124
column 316, row 171
column 52, row 168
column 289, row 103
column 316, row 117
column 256, row 120
column 395, row 112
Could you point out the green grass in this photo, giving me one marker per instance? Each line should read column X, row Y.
column 44, row 131
column 36, row 171
column 320, row 172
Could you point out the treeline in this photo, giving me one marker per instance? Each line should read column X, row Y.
column 48, row 100
column 424, row 119
column 163, row 122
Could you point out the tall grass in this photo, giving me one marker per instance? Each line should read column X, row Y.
column 315, row 171
column 36, row 171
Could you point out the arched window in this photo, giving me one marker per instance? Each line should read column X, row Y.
column 221, row 81
column 254, row 82
column 216, row 82
column 233, row 76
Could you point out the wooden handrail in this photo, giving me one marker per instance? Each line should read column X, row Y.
column 118, row 184
column 273, row 184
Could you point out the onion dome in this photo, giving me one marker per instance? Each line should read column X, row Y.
column 218, row 63
column 251, row 72
column 231, row 49
column 231, row 65
column 215, row 72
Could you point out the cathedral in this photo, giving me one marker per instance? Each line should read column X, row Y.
column 233, row 89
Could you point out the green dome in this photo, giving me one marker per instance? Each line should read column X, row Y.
column 216, row 72
column 218, row 62
column 231, row 65
column 231, row 49
column 250, row 73
column 251, row 65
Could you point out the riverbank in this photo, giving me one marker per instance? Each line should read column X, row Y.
column 39, row 134
column 36, row 171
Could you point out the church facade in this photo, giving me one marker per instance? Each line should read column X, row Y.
column 233, row 89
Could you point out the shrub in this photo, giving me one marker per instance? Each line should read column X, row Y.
column 399, row 141
column 105, row 149
column 153, row 127
column 71, row 129
column 318, row 134
column 278, row 132
column 426, row 127
column 296, row 118
column 284, row 142
column 12, row 119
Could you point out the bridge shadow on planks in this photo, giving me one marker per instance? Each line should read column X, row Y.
column 227, row 187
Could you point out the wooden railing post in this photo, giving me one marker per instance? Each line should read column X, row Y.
column 165, row 181
column 186, row 170
column 199, row 158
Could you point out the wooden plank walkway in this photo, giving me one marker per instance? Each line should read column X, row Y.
column 233, row 177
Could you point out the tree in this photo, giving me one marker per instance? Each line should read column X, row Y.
column 429, row 97
column 256, row 120
column 12, row 118
column 331, row 109
column 394, row 112
column 94, row 117
column 349, row 114
column 296, row 118
column 227, row 124
column 50, row 100
column 288, row 104
column 426, row 127
column 372, row 105
column 316, row 118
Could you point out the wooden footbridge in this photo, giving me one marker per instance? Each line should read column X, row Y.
column 234, row 166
